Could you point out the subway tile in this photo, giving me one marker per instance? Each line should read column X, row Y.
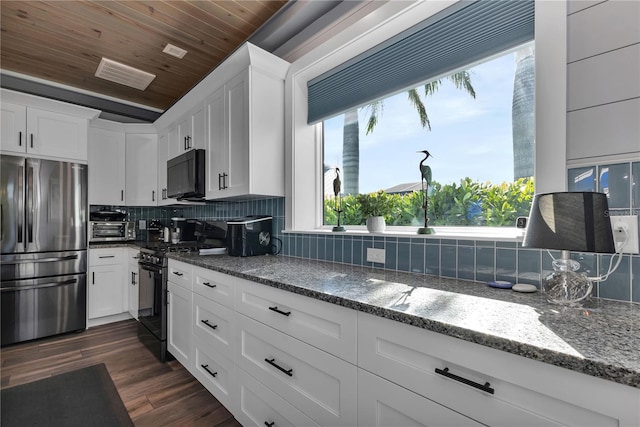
column 618, row 285
column 582, row 179
column 485, row 268
column 466, row 243
column 313, row 247
column 404, row 256
column 448, row 242
column 417, row 257
column 298, row 248
column 390, row 257
column 347, row 243
column 432, row 259
column 448, row 261
column 614, row 181
column 635, row 279
column 466, row 262
column 357, row 252
column 322, row 248
column 329, row 251
column 529, row 262
column 486, row 243
column 512, row 245
column 337, row 249
column 306, row 246
column 506, row 264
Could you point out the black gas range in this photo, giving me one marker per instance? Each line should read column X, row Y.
column 152, row 293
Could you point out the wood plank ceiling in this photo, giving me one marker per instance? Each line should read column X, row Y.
column 64, row 41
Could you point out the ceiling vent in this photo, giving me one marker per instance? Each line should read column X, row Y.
column 124, row 74
column 176, row 51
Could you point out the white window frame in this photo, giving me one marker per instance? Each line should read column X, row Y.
column 303, row 161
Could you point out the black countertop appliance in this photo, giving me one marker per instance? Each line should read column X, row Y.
column 250, row 235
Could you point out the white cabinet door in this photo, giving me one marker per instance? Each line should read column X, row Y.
column 13, row 127
column 190, row 133
column 218, row 147
column 106, row 167
column 141, row 166
column 163, row 156
column 237, row 180
column 105, row 290
column 381, row 403
column 179, row 323
column 132, row 255
column 56, row 135
column 214, row 371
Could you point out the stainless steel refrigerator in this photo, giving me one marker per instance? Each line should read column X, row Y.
column 44, row 248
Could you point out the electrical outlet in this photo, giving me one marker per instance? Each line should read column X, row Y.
column 375, row 255
column 630, row 224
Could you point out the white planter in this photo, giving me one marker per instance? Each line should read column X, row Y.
column 376, row 224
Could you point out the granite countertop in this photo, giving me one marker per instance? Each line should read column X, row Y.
column 601, row 339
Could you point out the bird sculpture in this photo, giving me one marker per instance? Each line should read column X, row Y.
column 338, row 200
column 425, row 172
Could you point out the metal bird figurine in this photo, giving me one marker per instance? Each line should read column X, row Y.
column 425, row 172
column 337, row 184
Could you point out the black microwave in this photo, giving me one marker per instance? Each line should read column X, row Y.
column 185, row 176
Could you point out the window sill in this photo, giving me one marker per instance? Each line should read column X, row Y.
column 501, row 234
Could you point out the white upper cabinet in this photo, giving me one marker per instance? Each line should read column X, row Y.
column 142, row 169
column 42, row 133
column 190, row 133
column 106, row 167
column 245, row 132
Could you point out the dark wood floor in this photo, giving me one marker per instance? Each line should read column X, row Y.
column 154, row 393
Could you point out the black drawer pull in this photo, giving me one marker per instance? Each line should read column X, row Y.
column 206, row 322
column 209, row 285
column 271, row 424
column 206, row 368
column 275, row 365
column 284, row 313
column 178, row 274
column 484, row 387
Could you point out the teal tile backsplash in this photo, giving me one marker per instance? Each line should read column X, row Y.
column 480, row 261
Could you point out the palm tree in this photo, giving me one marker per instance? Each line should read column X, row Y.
column 523, row 113
column 351, row 139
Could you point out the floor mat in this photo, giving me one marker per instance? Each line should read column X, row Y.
column 85, row 397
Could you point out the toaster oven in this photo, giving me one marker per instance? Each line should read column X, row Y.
column 111, row 231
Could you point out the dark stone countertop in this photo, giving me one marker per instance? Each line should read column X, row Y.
column 601, row 339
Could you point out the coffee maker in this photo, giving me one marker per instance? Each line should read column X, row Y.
column 183, row 230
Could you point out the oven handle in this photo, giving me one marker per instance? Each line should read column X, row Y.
column 152, row 268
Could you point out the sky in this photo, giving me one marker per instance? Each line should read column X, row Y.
column 468, row 137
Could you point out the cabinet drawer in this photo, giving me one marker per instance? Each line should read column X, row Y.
column 258, row 406
column 214, row 371
column 323, row 325
column 382, row 404
column 213, row 324
column 106, row 256
column 409, row 356
column 216, row 286
column 180, row 274
column 320, row 385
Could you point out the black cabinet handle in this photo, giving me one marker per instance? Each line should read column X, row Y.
column 153, row 195
column 106, row 256
column 178, row 274
column 19, row 139
column 224, row 181
column 284, row 313
column 271, row 424
column 219, row 181
column 484, row 387
column 206, row 322
column 280, row 368
column 122, row 195
column 93, row 277
column 206, row 368
column 31, row 140
column 209, row 285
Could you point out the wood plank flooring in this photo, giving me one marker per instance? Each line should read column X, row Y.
column 154, row 393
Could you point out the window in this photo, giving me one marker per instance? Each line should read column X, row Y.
column 478, row 126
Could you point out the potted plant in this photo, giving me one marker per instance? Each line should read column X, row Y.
column 375, row 207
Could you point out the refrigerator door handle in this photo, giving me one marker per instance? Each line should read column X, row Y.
column 20, row 206
column 30, row 205
column 39, row 286
column 32, row 261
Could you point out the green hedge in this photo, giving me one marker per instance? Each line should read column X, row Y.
column 466, row 203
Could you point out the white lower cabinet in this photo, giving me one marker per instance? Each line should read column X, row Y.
column 320, row 385
column 382, row 403
column 132, row 280
column 256, row 405
column 215, row 371
column 213, row 324
column 106, row 290
column 490, row 386
column 179, row 323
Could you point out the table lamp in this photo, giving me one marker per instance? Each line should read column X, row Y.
column 570, row 221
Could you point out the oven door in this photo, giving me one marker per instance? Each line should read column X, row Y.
column 152, row 294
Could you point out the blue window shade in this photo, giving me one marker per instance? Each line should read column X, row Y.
column 463, row 33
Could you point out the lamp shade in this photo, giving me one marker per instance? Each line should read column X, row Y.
column 574, row 221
